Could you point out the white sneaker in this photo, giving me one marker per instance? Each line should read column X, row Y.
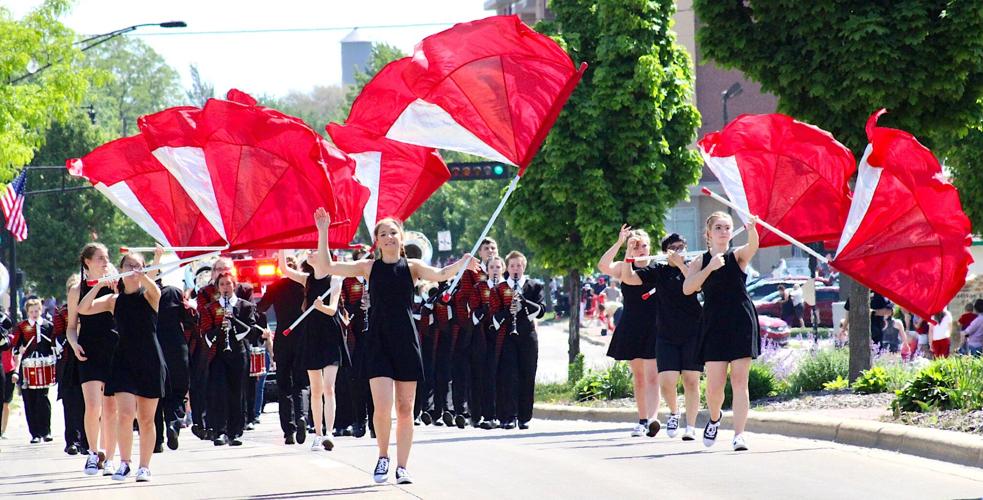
column 710, row 433
column 689, row 434
column 122, row 473
column 672, row 425
column 638, row 430
column 92, row 464
column 381, row 470
column 108, row 469
column 403, row 477
column 316, row 443
column 739, row 443
column 143, row 475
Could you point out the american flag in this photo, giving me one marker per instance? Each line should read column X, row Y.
column 12, row 202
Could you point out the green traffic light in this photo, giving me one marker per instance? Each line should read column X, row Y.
column 499, row 169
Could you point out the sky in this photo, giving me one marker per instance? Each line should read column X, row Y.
column 266, row 63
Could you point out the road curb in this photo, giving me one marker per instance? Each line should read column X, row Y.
column 590, row 340
column 948, row 446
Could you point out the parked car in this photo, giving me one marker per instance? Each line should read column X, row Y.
column 773, row 330
column 766, row 286
column 770, row 305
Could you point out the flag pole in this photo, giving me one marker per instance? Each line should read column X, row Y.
column 484, row 233
column 177, row 263
column 781, row 234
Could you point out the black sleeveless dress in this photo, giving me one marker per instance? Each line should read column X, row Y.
column 729, row 325
column 138, row 366
column 392, row 347
column 97, row 336
column 322, row 333
column 636, row 333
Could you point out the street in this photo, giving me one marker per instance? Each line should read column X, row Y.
column 557, row 459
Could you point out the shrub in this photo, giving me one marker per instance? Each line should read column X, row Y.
column 945, row 384
column 613, row 383
column 761, row 383
column 871, row 381
column 825, row 366
column 840, row 384
column 575, row 370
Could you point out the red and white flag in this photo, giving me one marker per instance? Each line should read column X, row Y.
column 12, row 202
column 906, row 235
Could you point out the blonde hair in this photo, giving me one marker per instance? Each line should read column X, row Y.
column 710, row 220
column 639, row 234
column 515, row 254
column 31, row 303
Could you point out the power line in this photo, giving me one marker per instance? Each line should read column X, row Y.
column 293, row 30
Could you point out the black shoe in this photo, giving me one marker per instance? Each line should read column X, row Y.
column 198, row 431
column 438, row 422
column 372, row 433
column 654, row 427
column 48, row 438
column 448, row 418
column 337, row 432
column 460, row 421
column 509, row 424
column 301, row 434
column 476, row 423
column 71, row 450
column 524, row 425
column 35, row 440
column 490, row 424
column 159, row 448
column 289, row 439
column 426, row 418
column 172, row 434
column 250, row 426
column 417, row 422
column 347, row 431
column 235, row 442
column 221, row 440
column 358, row 431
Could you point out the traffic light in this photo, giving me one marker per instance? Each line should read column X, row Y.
column 474, row 171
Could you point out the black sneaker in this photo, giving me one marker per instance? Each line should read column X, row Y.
column 524, row 425
column 235, row 442
column 159, row 448
column 221, row 440
column 198, row 431
column 459, row 421
column 403, row 477
column 71, row 450
column 172, row 434
column 381, row 470
column 490, row 424
column 47, row 438
column 448, row 418
column 426, row 418
column 347, row 431
column 509, row 424
column 289, row 439
column 654, row 427
column 301, row 434
column 710, row 433
column 358, row 431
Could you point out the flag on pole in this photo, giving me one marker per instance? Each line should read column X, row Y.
column 12, row 201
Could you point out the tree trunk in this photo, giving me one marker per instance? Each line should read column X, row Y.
column 859, row 318
column 573, row 282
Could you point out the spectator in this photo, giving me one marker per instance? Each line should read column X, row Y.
column 880, row 308
column 788, row 308
column 964, row 321
column 973, row 334
column 940, row 333
column 798, row 306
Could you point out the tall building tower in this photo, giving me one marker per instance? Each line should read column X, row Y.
column 355, row 52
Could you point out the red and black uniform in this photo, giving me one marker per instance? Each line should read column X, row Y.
column 520, row 351
column 487, row 333
column 443, row 330
column 69, row 384
column 465, row 301
column 198, row 360
column 227, row 361
column 354, row 398
column 422, row 315
column 286, row 296
column 33, row 339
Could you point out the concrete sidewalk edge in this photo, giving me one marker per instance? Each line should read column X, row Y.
column 947, row 446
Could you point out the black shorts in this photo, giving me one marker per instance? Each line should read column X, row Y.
column 678, row 357
column 8, row 388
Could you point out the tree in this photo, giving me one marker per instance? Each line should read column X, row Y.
column 619, row 152
column 964, row 157
column 140, row 82
column 29, row 105
column 200, row 91
column 832, row 63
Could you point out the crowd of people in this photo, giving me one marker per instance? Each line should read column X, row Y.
column 383, row 331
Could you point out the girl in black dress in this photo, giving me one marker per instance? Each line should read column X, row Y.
column 393, row 362
column 634, row 338
column 137, row 369
column 729, row 325
column 322, row 353
column 93, row 337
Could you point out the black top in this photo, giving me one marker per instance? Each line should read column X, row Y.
column 679, row 314
column 729, row 324
column 101, row 322
column 171, row 319
column 138, row 364
column 392, row 344
column 287, row 298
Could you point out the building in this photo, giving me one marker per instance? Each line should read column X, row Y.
column 355, row 52
column 742, row 96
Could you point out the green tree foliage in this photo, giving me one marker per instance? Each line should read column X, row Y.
column 619, row 151
column 28, row 106
column 200, row 91
column 140, row 82
column 964, row 159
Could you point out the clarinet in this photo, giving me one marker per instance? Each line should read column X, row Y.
column 226, row 325
column 516, row 295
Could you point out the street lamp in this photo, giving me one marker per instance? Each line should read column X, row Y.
column 99, row 39
column 731, row 92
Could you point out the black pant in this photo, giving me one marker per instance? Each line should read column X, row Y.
column 489, row 404
column 291, row 378
column 344, row 415
column 198, row 386
column 74, row 406
column 442, row 372
column 517, row 375
column 225, row 374
column 171, row 406
column 479, row 373
column 461, row 371
column 424, row 388
column 37, row 409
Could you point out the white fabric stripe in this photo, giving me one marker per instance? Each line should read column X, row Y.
column 121, row 196
column 368, row 170
column 187, row 165
column 867, row 179
column 729, row 175
column 426, row 124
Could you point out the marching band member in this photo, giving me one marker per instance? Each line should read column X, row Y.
column 93, row 337
column 423, row 315
column 33, row 337
column 200, row 354
column 354, row 298
column 137, row 369
column 523, row 302
column 442, row 330
column 394, row 362
column 69, row 388
column 176, row 322
column 286, row 296
column 226, row 322
column 323, row 345
column 634, row 340
column 729, row 325
column 491, row 305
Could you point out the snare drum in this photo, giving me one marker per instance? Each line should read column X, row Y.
column 257, row 361
column 39, row 372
